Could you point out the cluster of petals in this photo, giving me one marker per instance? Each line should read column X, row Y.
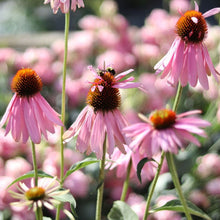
column 64, row 5
column 93, row 127
column 50, row 188
column 188, row 62
column 121, row 162
column 30, row 117
column 118, row 83
column 151, row 141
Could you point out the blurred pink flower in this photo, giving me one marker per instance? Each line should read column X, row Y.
column 28, row 113
column 91, row 22
column 121, row 61
column 137, row 203
column 188, row 59
column 64, row 5
column 101, row 116
column 164, row 130
column 78, row 183
column 176, row 5
column 5, row 197
column 51, row 163
column 212, row 187
column 22, row 167
column 8, row 147
column 157, row 92
column 199, row 198
column 208, row 165
column 165, row 215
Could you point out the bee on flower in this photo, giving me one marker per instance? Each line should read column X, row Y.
column 101, row 117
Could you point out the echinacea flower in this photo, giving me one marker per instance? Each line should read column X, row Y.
column 28, row 113
column 188, row 60
column 165, row 130
column 38, row 196
column 101, row 117
column 64, row 5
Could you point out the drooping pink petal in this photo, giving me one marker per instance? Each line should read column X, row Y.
column 8, row 110
column 98, row 135
column 76, row 125
column 41, row 120
column 83, row 139
column 31, row 122
column 209, row 63
column 192, row 68
column 48, row 110
column 110, row 134
column 202, row 76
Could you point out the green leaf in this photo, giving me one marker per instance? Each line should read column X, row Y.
column 141, row 165
column 30, row 174
column 80, row 165
column 175, row 205
column 68, row 198
column 121, row 211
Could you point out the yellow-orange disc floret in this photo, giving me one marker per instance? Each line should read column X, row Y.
column 163, row 118
column 26, row 82
column 192, row 27
column 108, row 98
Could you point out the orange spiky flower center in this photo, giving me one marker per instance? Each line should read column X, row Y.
column 163, row 118
column 192, row 27
column 35, row 193
column 102, row 96
column 26, row 82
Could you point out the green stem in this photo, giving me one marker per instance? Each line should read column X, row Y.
column 171, row 165
column 63, row 109
column 101, row 186
column 63, row 106
column 126, row 182
column 177, row 97
column 38, row 212
column 34, row 163
column 153, row 185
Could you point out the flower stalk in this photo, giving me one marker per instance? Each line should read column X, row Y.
column 34, row 163
column 101, row 184
column 126, row 182
column 172, row 168
column 63, row 105
column 38, row 212
column 153, row 185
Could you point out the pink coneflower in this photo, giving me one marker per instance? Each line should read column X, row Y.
column 188, row 59
column 64, row 5
column 164, row 130
column 37, row 196
column 101, row 116
column 28, row 113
